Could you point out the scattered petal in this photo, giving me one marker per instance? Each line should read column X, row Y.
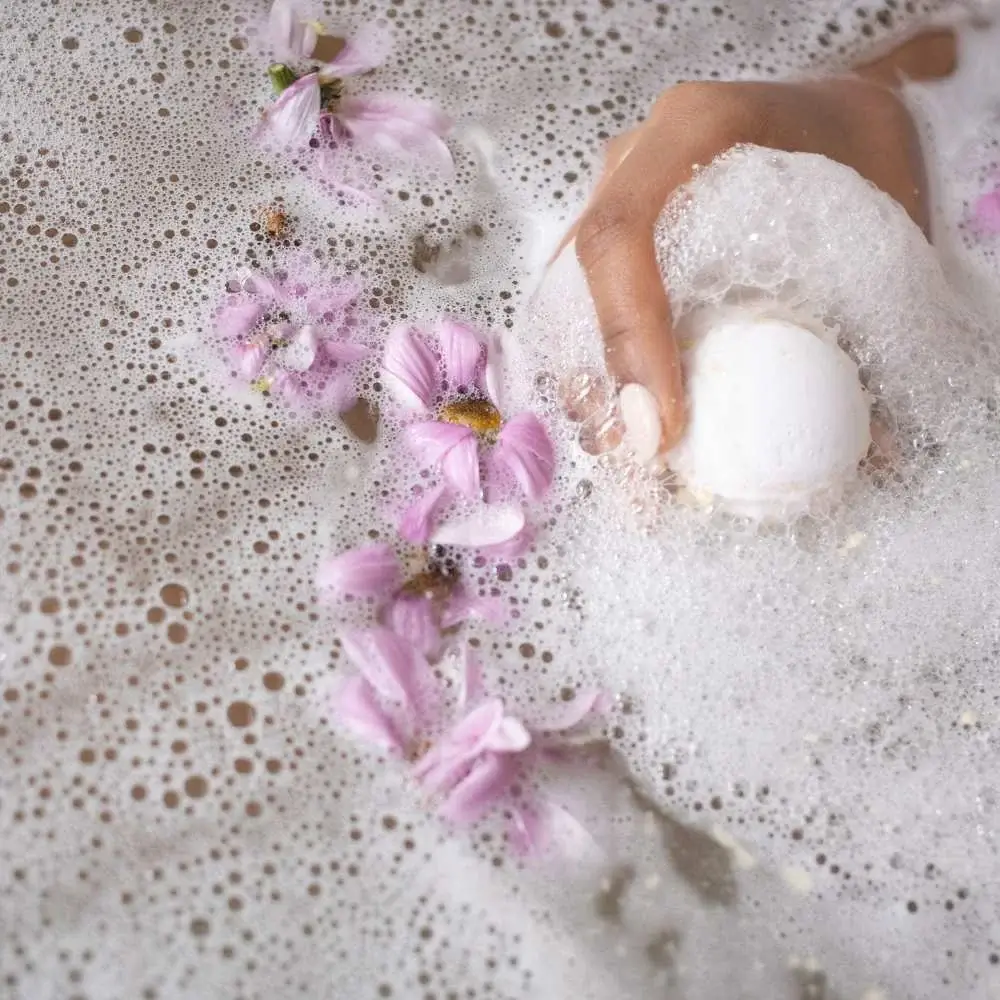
column 416, row 522
column 237, row 317
column 398, row 125
column 461, row 607
column 487, row 526
column 986, row 212
column 393, row 668
column 461, row 352
column 356, row 705
column 450, row 447
column 587, row 704
column 343, row 351
column 410, row 368
column 525, row 450
column 482, row 789
column 250, row 358
column 470, row 685
column 368, row 571
column 367, row 48
column 291, row 36
column 292, row 117
column 512, row 548
column 331, row 300
column 300, row 353
column 413, row 618
column 494, row 372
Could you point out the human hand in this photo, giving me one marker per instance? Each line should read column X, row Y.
column 859, row 121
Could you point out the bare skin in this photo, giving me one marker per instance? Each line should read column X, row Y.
column 859, row 121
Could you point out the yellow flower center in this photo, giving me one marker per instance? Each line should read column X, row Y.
column 479, row 415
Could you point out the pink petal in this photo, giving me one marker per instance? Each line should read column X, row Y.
column 546, row 828
column 512, row 548
column 413, row 619
column 481, row 790
column 337, row 394
column 292, row 117
column 484, row 729
column 375, row 108
column 986, row 212
column 332, row 300
column 461, row 350
column 249, row 358
column 470, row 688
column 357, row 706
column 450, row 447
column 460, row 467
column 416, row 521
column 367, row 48
column 290, row 35
column 391, row 665
column 300, row 353
column 587, row 704
column 253, row 282
column 487, row 526
column 410, row 369
column 461, row 607
column 525, row 450
column 400, row 139
column 494, row 372
column 237, row 317
column 368, row 571
column 344, row 351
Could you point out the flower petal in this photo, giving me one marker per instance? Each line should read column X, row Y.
column 291, row 36
column 358, row 708
column 461, row 607
column 292, row 117
column 368, row 571
column 398, row 125
column 461, row 351
column 470, row 685
column 450, row 447
column 493, row 375
column 410, row 369
column 513, row 548
column 986, row 213
column 331, row 300
column 237, row 317
column 390, row 664
column 386, row 107
column 300, row 353
column 488, row 525
column 547, row 828
column 343, row 351
column 413, row 619
column 589, row 703
column 249, row 358
column 367, row 48
column 481, row 789
column 525, row 450
column 416, row 521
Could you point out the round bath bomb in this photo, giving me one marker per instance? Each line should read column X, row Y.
column 778, row 416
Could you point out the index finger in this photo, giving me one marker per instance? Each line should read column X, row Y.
column 616, row 248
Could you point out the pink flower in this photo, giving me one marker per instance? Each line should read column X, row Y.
column 450, row 385
column 471, row 766
column 312, row 109
column 416, row 610
column 986, row 213
column 287, row 337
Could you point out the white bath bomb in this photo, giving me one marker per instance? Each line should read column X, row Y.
column 778, row 416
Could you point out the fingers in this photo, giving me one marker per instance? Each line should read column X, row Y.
column 614, row 153
column 932, row 55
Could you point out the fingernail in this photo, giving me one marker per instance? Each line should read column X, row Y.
column 641, row 416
